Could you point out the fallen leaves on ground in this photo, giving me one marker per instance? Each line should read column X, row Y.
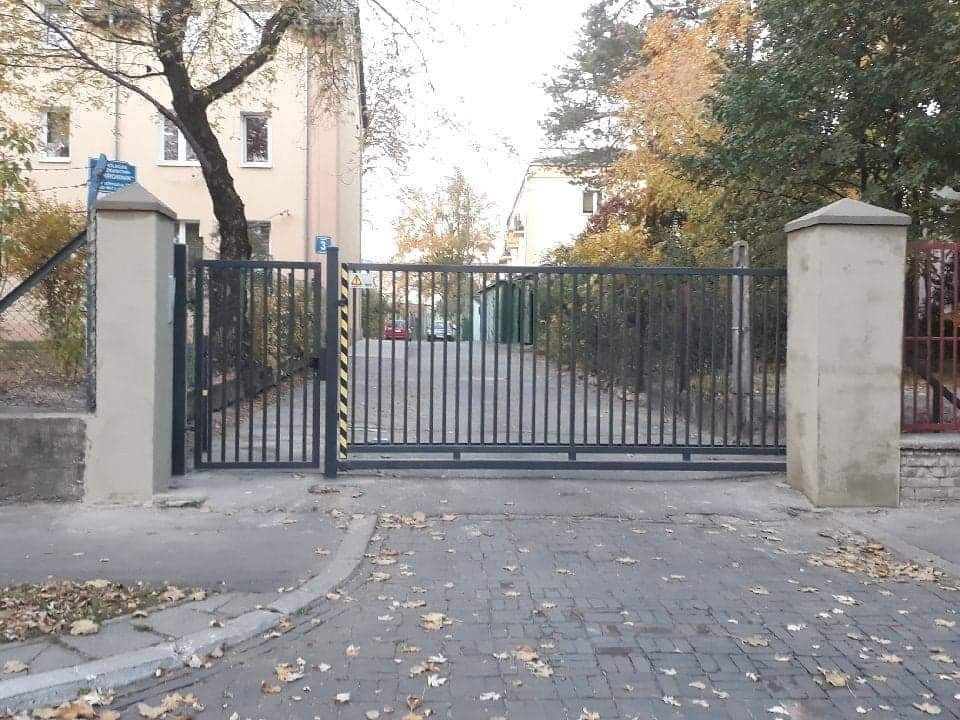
column 168, row 705
column 855, row 555
column 84, row 626
column 434, row 621
column 531, row 659
column 928, row 708
column 835, row 678
column 50, row 608
column 14, row 666
column 89, row 706
column 287, row 672
column 755, row 641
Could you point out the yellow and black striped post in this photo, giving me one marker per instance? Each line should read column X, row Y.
column 344, row 376
column 334, row 367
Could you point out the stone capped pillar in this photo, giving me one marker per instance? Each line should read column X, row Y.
column 130, row 434
column 845, row 285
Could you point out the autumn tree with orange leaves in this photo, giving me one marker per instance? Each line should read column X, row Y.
column 657, row 214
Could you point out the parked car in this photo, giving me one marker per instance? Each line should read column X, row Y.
column 395, row 330
column 442, row 331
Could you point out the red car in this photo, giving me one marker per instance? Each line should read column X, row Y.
column 395, row 330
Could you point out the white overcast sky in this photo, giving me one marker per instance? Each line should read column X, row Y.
column 487, row 61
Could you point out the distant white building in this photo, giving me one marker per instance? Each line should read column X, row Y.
column 550, row 210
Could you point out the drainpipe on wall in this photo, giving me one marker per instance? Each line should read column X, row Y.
column 306, row 162
column 116, row 97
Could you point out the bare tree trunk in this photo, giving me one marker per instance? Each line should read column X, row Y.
column 228, row 207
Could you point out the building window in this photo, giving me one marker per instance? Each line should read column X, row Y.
column 259, row 235
column 54, row 17
column 55, row 135
column 591, row 202
column 251, row 29
column 176, row 149
column 256, row 139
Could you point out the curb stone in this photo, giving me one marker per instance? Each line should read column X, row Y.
column 57, row 686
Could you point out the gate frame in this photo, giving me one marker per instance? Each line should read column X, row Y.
column 318, row 363
column 345, row 463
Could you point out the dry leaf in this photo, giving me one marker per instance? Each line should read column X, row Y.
column 434, row 621
column 927, row 708
column 759, row 590
column 488, row 696
column 525, row 653
column 940, row 622
column 83, row 627
column 14, row 666
column 588, row 715
column 835, row 678
column 268, row 689
column 286, row 673
column 755, row 641
column 342, row 698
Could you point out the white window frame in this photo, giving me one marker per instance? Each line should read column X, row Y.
column 44, row 119
column 268, row 163
column 594, row 201
column 269, row 235
column 182, row 146
column 249, row 32
column 52, row 40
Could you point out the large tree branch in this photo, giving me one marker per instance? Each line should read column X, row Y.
column 94, row 65
column 273, row 31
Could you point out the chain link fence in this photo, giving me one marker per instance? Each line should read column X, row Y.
column 43, row 337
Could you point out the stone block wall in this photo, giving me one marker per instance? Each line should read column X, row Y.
column 929, row 468
column 42, row 457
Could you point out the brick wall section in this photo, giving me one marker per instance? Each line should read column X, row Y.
column 42, row 457
column 929, row 468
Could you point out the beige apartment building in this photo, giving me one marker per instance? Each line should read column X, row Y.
column 296, row 163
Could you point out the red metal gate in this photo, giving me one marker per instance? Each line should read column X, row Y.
column 930, row 338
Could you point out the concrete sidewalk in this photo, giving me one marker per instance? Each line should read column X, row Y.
column 929, row 532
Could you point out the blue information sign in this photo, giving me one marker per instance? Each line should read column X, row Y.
column 106, row 176
column 322, row 243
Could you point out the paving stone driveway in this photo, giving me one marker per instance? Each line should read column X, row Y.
column 699, row 617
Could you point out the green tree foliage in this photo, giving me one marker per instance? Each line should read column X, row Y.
column 36, row 234
column 585, row 123
column 854, row 99
column 15, row 147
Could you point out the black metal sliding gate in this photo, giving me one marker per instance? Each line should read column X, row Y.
column 555, row 367
column 258, row 360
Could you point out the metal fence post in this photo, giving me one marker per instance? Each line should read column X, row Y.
column 178, row 466
column 742, row 356
column 332, row 364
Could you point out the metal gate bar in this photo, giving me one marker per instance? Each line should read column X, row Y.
column 257, row 334
column 528, row 361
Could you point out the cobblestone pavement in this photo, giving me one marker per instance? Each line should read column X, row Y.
column 698, row 616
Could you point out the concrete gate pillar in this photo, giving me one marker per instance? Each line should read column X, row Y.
column 130, row 434
column 845, row 279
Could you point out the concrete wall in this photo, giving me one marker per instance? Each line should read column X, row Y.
column 42, row 457
column 929, row 468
